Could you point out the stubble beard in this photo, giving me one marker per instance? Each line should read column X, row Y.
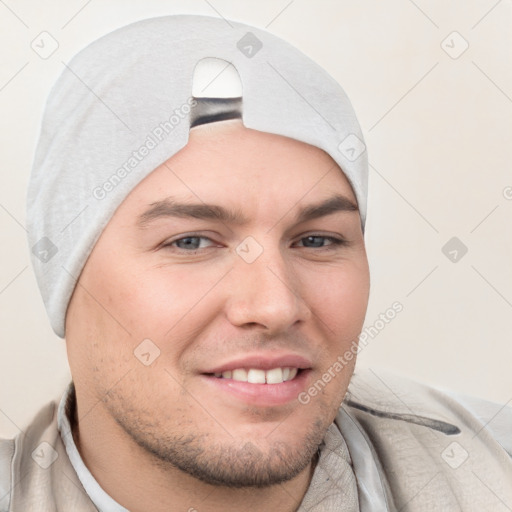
column 237, row 464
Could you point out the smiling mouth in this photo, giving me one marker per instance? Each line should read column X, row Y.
column 258, row 376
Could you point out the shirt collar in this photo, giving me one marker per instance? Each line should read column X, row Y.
column 101, row 500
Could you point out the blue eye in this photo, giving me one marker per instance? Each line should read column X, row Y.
column 315, row 239
column 191, row 243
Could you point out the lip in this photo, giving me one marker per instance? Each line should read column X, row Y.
column 263, row 361
column 259, row 395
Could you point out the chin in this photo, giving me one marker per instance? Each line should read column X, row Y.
column 234, row 461
column 239, row 464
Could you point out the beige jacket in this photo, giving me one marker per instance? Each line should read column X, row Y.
column 411, row 448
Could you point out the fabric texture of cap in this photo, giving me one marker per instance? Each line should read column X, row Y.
column 122, row 107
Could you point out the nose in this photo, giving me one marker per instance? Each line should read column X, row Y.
column 266, row 294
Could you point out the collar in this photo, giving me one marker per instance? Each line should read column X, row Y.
column 101, row 500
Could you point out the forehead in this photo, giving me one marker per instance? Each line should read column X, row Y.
column 228, row 163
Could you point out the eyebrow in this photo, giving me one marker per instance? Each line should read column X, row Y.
column 171, row 208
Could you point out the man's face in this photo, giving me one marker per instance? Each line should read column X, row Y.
column 224, row 302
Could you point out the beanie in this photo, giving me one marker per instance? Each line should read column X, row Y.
column 124, row 105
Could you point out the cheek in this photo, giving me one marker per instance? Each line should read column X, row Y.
column 339, row 297
column 164, row 302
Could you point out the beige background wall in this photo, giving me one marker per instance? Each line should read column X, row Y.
column 438, row 126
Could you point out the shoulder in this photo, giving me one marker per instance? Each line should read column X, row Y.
column 428, row 445
column 494, row 417
column 16, row 452
column 6, row 458
column 383, row 395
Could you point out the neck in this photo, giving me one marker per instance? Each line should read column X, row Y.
column 139, row 481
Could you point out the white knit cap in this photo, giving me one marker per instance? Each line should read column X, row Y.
column 122, row 107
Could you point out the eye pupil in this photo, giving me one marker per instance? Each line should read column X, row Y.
column 311, row 238
column 188, row 241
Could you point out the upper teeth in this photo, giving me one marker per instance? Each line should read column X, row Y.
column 256, row 376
